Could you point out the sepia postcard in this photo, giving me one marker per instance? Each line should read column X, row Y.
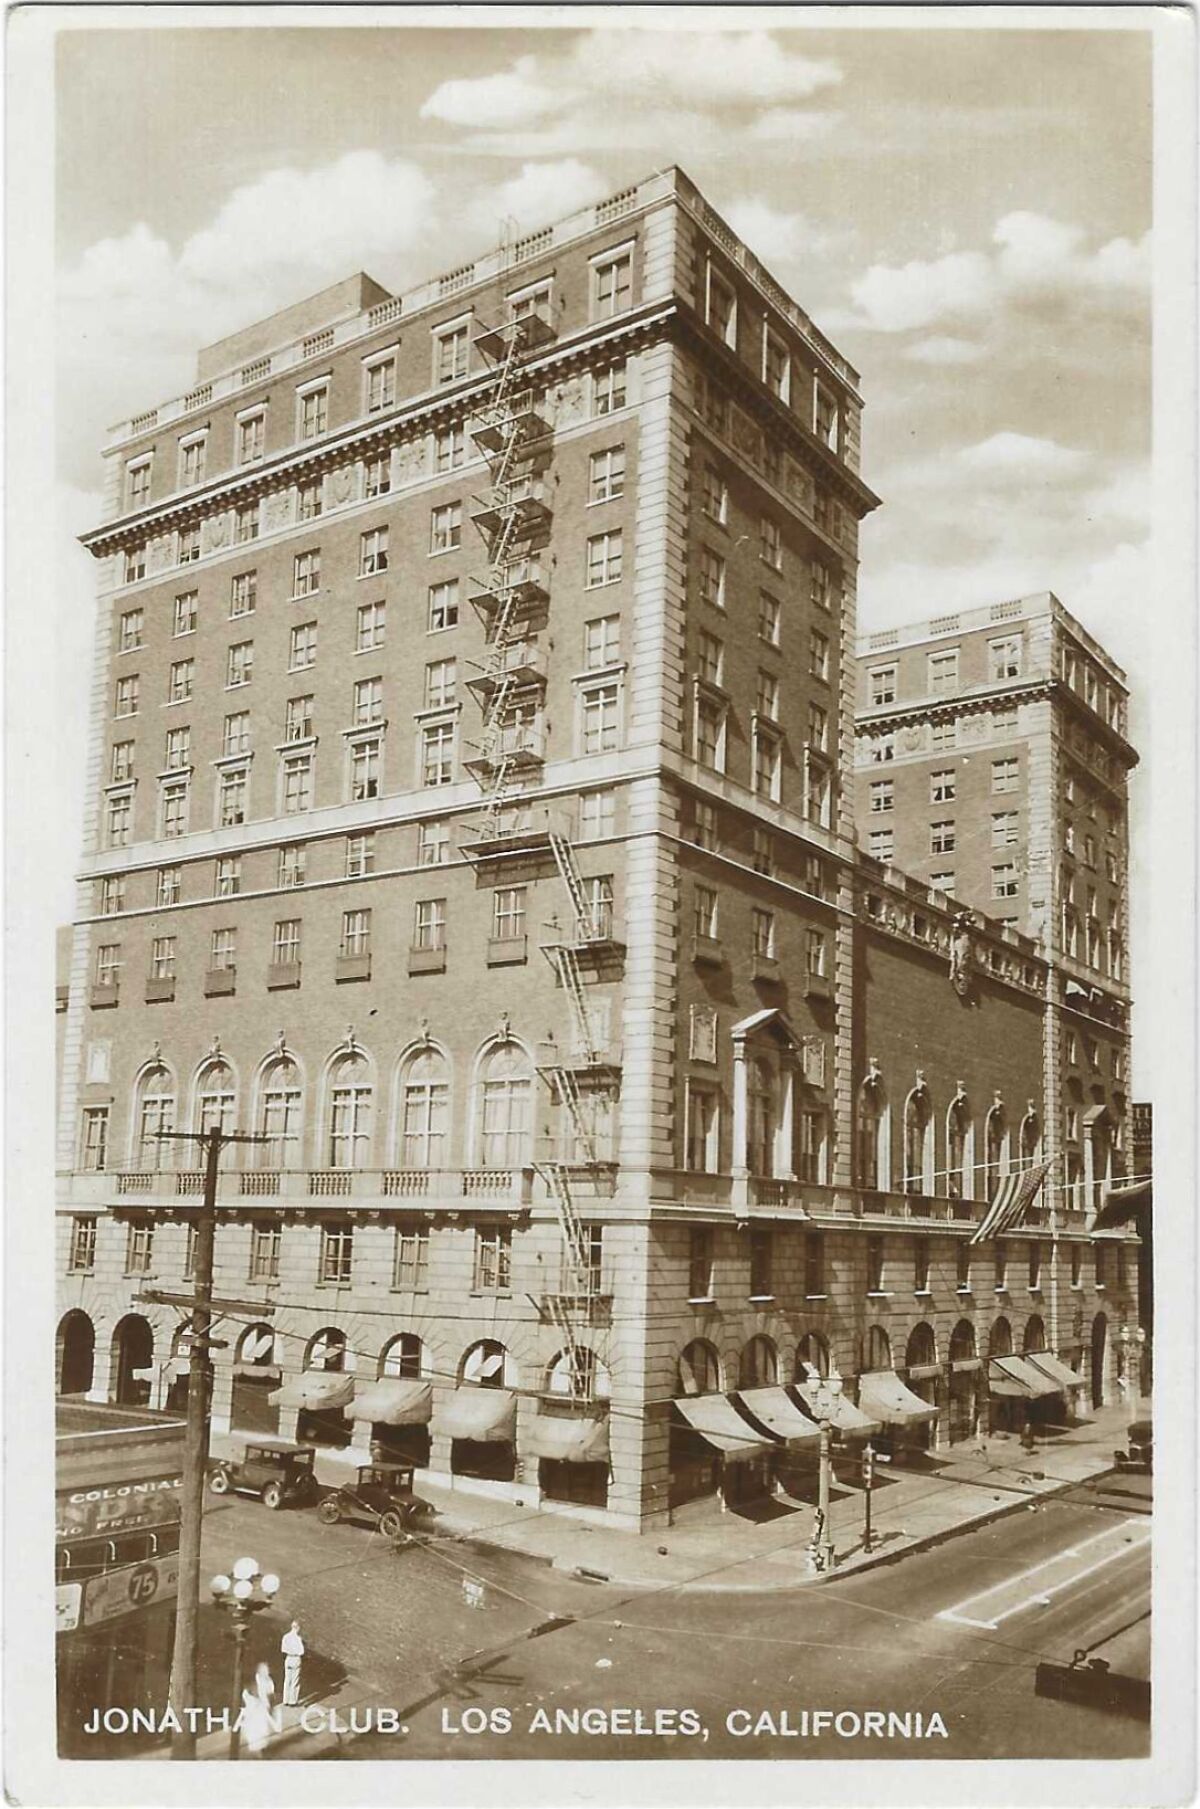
column 601, row 672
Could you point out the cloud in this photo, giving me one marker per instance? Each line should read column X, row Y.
column 509, row 98
column 898, row 298
column 790, row 125
column 1022, row 456
column 544, row 191
column 777, row 236
column 944, row 348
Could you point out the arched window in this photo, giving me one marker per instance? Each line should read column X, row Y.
column 762, row 1118
column 350, row 1101
column 918, row 1143
column 1000, row 1340
column 699, row 1369
column 879, row 1348
column 280, row 1115
column 256, row 1347
column 1030, row 1137
column 873, row 1132
column 759, row 1365
column 506, row 1107
column 995, row 1151
column 1035, row 1334
column 488, row 1365
column 402, row 1356
column 962, row 1341
column 958, row 1127
column 578, row 1376
column 155, row 1112
column 921, row 1349
column 327, row 1350
column 425, row 1111
column 216, row 1098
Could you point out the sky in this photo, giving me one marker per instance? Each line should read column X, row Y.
column 966, row 213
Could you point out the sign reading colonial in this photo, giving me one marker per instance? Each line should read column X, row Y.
column 118, row 1506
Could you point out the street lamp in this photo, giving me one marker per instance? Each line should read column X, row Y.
column 244, row 1593
column 823, row 1399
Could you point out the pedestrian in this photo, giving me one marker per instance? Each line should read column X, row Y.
column 292, row 1647
column 257, row 1725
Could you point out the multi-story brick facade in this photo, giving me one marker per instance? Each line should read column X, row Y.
column 468, row 818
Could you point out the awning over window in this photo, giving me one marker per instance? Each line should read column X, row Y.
column 1123, row 1204
column 394, row 1401
column 883, row 1394
column 780, row 1414
column 1059, row 1372
column 1016, row 1378
column 569, row 1438
column 715, row 1418
column 315, row 1389
column 961, row 1366
column 487, row 1415
column 844, row 1416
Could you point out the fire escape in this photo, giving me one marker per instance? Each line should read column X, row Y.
column 512, row 517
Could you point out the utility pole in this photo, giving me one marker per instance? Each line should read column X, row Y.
column 195, row 1446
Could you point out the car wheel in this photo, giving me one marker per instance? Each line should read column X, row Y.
column 391, row 1524
column 272, row 1495
column 329, row 1510
column 218, row 1482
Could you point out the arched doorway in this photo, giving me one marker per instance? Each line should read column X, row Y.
column 256, row 1375
column 964, row 1383
column 878, row 1349
column 486, row 1364
column 695, row 1469
column 812, row 1353
column 329, row 1426
column 133, row 1359
column 1099, row 1356
column 76, row 1353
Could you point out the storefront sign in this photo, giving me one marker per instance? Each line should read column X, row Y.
column 118, row 1506
column 134, row 1586
column 67, row 1599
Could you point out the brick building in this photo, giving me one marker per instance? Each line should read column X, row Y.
column 469, row 817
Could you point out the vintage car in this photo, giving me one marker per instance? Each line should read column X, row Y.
column 274, row 1472
column 1140, row 1455
column 381, row 1496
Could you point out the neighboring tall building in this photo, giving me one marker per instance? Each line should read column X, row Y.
column 469, row 816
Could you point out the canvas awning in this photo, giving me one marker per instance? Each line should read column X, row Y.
column 315, row 1389
column 961, row 1366
column 780, row 1414
column 394, row 1401
column 1123, row 1204
column 1017, row 1378
column 1059, row 1372
column 715, row 1418
column 486, row 1415
column 570, row 1438
column 883, row 1394
column 844, row 1416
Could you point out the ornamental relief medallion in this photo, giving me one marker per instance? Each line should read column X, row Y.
column 278, row 510
column 341, row 486
column 800, row 486
column 214, row 532
column 913, row 738
column 570, row 401
column 160, row 553
column 409, row 462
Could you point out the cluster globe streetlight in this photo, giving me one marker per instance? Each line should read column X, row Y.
column 244, row 1593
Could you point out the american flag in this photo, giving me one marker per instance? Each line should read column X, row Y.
column 1015, row 1193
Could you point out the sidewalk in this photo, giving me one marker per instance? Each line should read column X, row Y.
column 911, row 1508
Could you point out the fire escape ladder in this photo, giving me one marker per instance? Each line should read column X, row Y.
column 568, row 868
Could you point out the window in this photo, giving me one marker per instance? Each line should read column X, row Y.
column 368, row 701
column 82, row 1257
column 1004, row 722
column 818, row 654
column 1005, row 828
column 94, row 1154
column 941, row 837
column 310, row 501
column 137, row 483
column 1076, row 1265
column 505, row 1106
column 302, row 647
column 251, row 436
column 710, row 734
column 133, row 622
column 108, row 964
column 337, row 1253
column 371, row 628
column 119, row 824
column 451, row 352
column 223, row 950
column 942, row 786
column 601, row 642
column 815, row 954
column 762, row 934
column 493, row 1260
column 881, row 844
column 761, row 1252
column 943, row 672
column 373, row 552
column 1035, row 1266
column 450, row 449
column 722, row 308
column 193, row 456
column 162, row 958
column 705, row 909
column 814, row 1265
column 766, row 763
column 1004, row 880
column 285, row 944
column 606, row 475
column 762, row 856
column 770, row 615
column 364, row 768
column 410, row 1264
column 770, row 543
column 297, row 784
column 881, row 749
column 710, row 658
column 818, row 792
column 180, row 681
column 282, row 1104
column 135, row 564
column 228, row 876
column 883, row 796
column 112, row 895
column 437, row 753
column 1004, row 657
column 313, row 411
column 818, row 728
column 1001, row 1268
column 298, row 719
column 608, row 389
column 292, row 865
column 716, row 495
column 942, row 882
column 875, row 1264
column 139, row 1248
column 712, row 578
column 825, row 415
column 239, row 664
column 443, row 606
column 350, row 1104
column 508, row 913
column 265, row 1243
column 429, row 923
column 433, row 845
column 232, row 797
column 245, row 524
column 882, row 680
column 1005, row 774
column 921, row 1265
column 599, row 718
column 700, row 1252
column 381, row 384
column 820, row 585
column 243, row 594
column 597, row 815
column 766, row 701
column 776, row 365
column 604, row 553
column 188, row 546
column 174, row 808
column 121, row 765
column 306, row 573
column 377, row 478
column 612, row 285
column 704, row 824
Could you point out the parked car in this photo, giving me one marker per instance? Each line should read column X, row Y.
column 276, row 1473
column 1140, row 1454
column 381, row 1496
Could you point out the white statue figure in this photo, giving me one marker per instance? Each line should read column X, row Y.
column 292, row 1647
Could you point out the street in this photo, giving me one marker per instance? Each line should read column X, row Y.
column 953, row 1632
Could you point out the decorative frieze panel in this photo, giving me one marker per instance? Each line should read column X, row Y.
column 214, row 533
column 160, row 554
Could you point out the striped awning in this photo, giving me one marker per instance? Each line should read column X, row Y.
column 1016, row 1378
column 844, row 1416
column 716, row 1419
column 777, row 1411
column 394, row 1401
column 315, row 1389
column 882, row 1394
column 1059, row 1372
